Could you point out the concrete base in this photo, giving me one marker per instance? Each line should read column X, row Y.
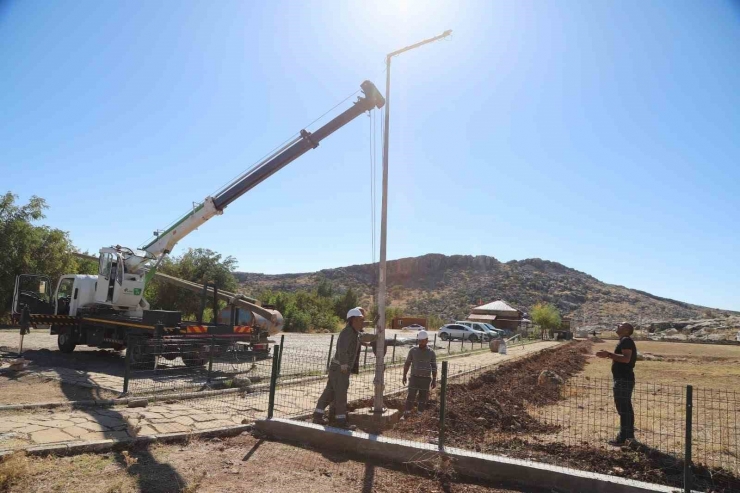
column 367, row 421
column 465, row 463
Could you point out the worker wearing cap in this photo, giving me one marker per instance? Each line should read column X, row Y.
column 337, row 384
column 423, row 364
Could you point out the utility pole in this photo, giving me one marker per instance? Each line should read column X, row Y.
column 380, row 330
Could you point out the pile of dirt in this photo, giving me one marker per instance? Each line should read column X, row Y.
column 498, row 399
column 637, row 462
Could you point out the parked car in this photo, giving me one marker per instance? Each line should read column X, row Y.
column 414, row 327
column 459, row 331
column 490, row 334
column 500, row 332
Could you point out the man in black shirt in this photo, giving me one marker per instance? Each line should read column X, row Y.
column 623, row 365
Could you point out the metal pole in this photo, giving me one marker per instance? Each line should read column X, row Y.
column 442, row 405
column 449, row 343
column 364, row 362
column 434, row 344
column 380, row 329
column 393, row 356
column 127, row 370
column 273, row 382
column 687, row 479
column 328, row 358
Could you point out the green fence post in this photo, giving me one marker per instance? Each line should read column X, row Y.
column 462, row 344
column 687, row 479
column 282, row 347
column 127, row 371
column 273, row 381
column 393, row 356
column 328, row 358
column 442, row 405
column 210, row 360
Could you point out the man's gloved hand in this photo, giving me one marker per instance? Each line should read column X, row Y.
column 434, row 382
column 344, row 368
column 405, row 380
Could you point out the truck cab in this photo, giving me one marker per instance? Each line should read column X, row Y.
column 74, row 291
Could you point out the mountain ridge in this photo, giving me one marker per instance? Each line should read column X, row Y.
column 449, row 285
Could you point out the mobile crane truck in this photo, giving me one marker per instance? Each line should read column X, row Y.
column 104, row 310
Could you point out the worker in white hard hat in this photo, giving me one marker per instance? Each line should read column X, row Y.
column 423, row 364
column 337, row 384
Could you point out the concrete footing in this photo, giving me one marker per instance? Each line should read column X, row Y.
column 464, row 463
column 374, row 423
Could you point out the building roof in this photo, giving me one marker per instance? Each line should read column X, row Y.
column 496, row 306
column 475, row 318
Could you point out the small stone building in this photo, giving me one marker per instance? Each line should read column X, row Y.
column 499, row 314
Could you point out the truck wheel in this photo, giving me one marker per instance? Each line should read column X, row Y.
column 66, row 342
column 141, row 359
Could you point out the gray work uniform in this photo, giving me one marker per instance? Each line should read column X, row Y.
column 423, row 363
column 338, row 383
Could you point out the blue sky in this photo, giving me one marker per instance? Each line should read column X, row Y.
column 602, row 135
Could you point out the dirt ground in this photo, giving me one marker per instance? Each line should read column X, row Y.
column 237, row 464
column 506, row 411
column 29, row 389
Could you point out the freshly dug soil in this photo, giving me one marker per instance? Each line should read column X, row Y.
column 497, row 400
column 489, row 414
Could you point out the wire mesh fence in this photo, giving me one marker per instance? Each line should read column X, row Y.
column 522, row 412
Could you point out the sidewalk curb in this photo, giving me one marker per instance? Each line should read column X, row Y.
column 98, row 446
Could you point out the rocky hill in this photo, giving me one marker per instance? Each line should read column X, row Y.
column 449, row 286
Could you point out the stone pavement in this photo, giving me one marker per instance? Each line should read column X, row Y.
column 63, row 425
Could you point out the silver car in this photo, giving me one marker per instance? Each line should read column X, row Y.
column 459, row 331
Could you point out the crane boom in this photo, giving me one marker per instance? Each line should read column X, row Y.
column 213, row 206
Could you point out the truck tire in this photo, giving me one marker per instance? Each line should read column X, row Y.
column 66, row 342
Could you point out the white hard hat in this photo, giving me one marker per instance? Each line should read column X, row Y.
column 422, row 334
column 355, row 312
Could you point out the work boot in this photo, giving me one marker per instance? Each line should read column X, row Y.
column 342, row 423
column 618, row 441
column 318, row 418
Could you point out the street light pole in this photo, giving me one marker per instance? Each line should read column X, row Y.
column 380, row 330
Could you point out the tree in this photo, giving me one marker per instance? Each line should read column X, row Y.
column 345, row 303
column 546, row 316
column 31, row 249
column 325, row 289
column 198, row 265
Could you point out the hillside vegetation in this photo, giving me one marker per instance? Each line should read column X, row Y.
column 449, row 286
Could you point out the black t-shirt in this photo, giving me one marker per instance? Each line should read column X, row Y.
column 625, row 371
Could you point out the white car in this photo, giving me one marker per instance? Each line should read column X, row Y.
column 414, row 327
column 459, row 331
column 489, row 331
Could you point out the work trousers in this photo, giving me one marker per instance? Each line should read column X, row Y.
column 335, row 392
column 421, row 386
column 623, row 400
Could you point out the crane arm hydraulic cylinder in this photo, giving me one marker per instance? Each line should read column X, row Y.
column 213, row 206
